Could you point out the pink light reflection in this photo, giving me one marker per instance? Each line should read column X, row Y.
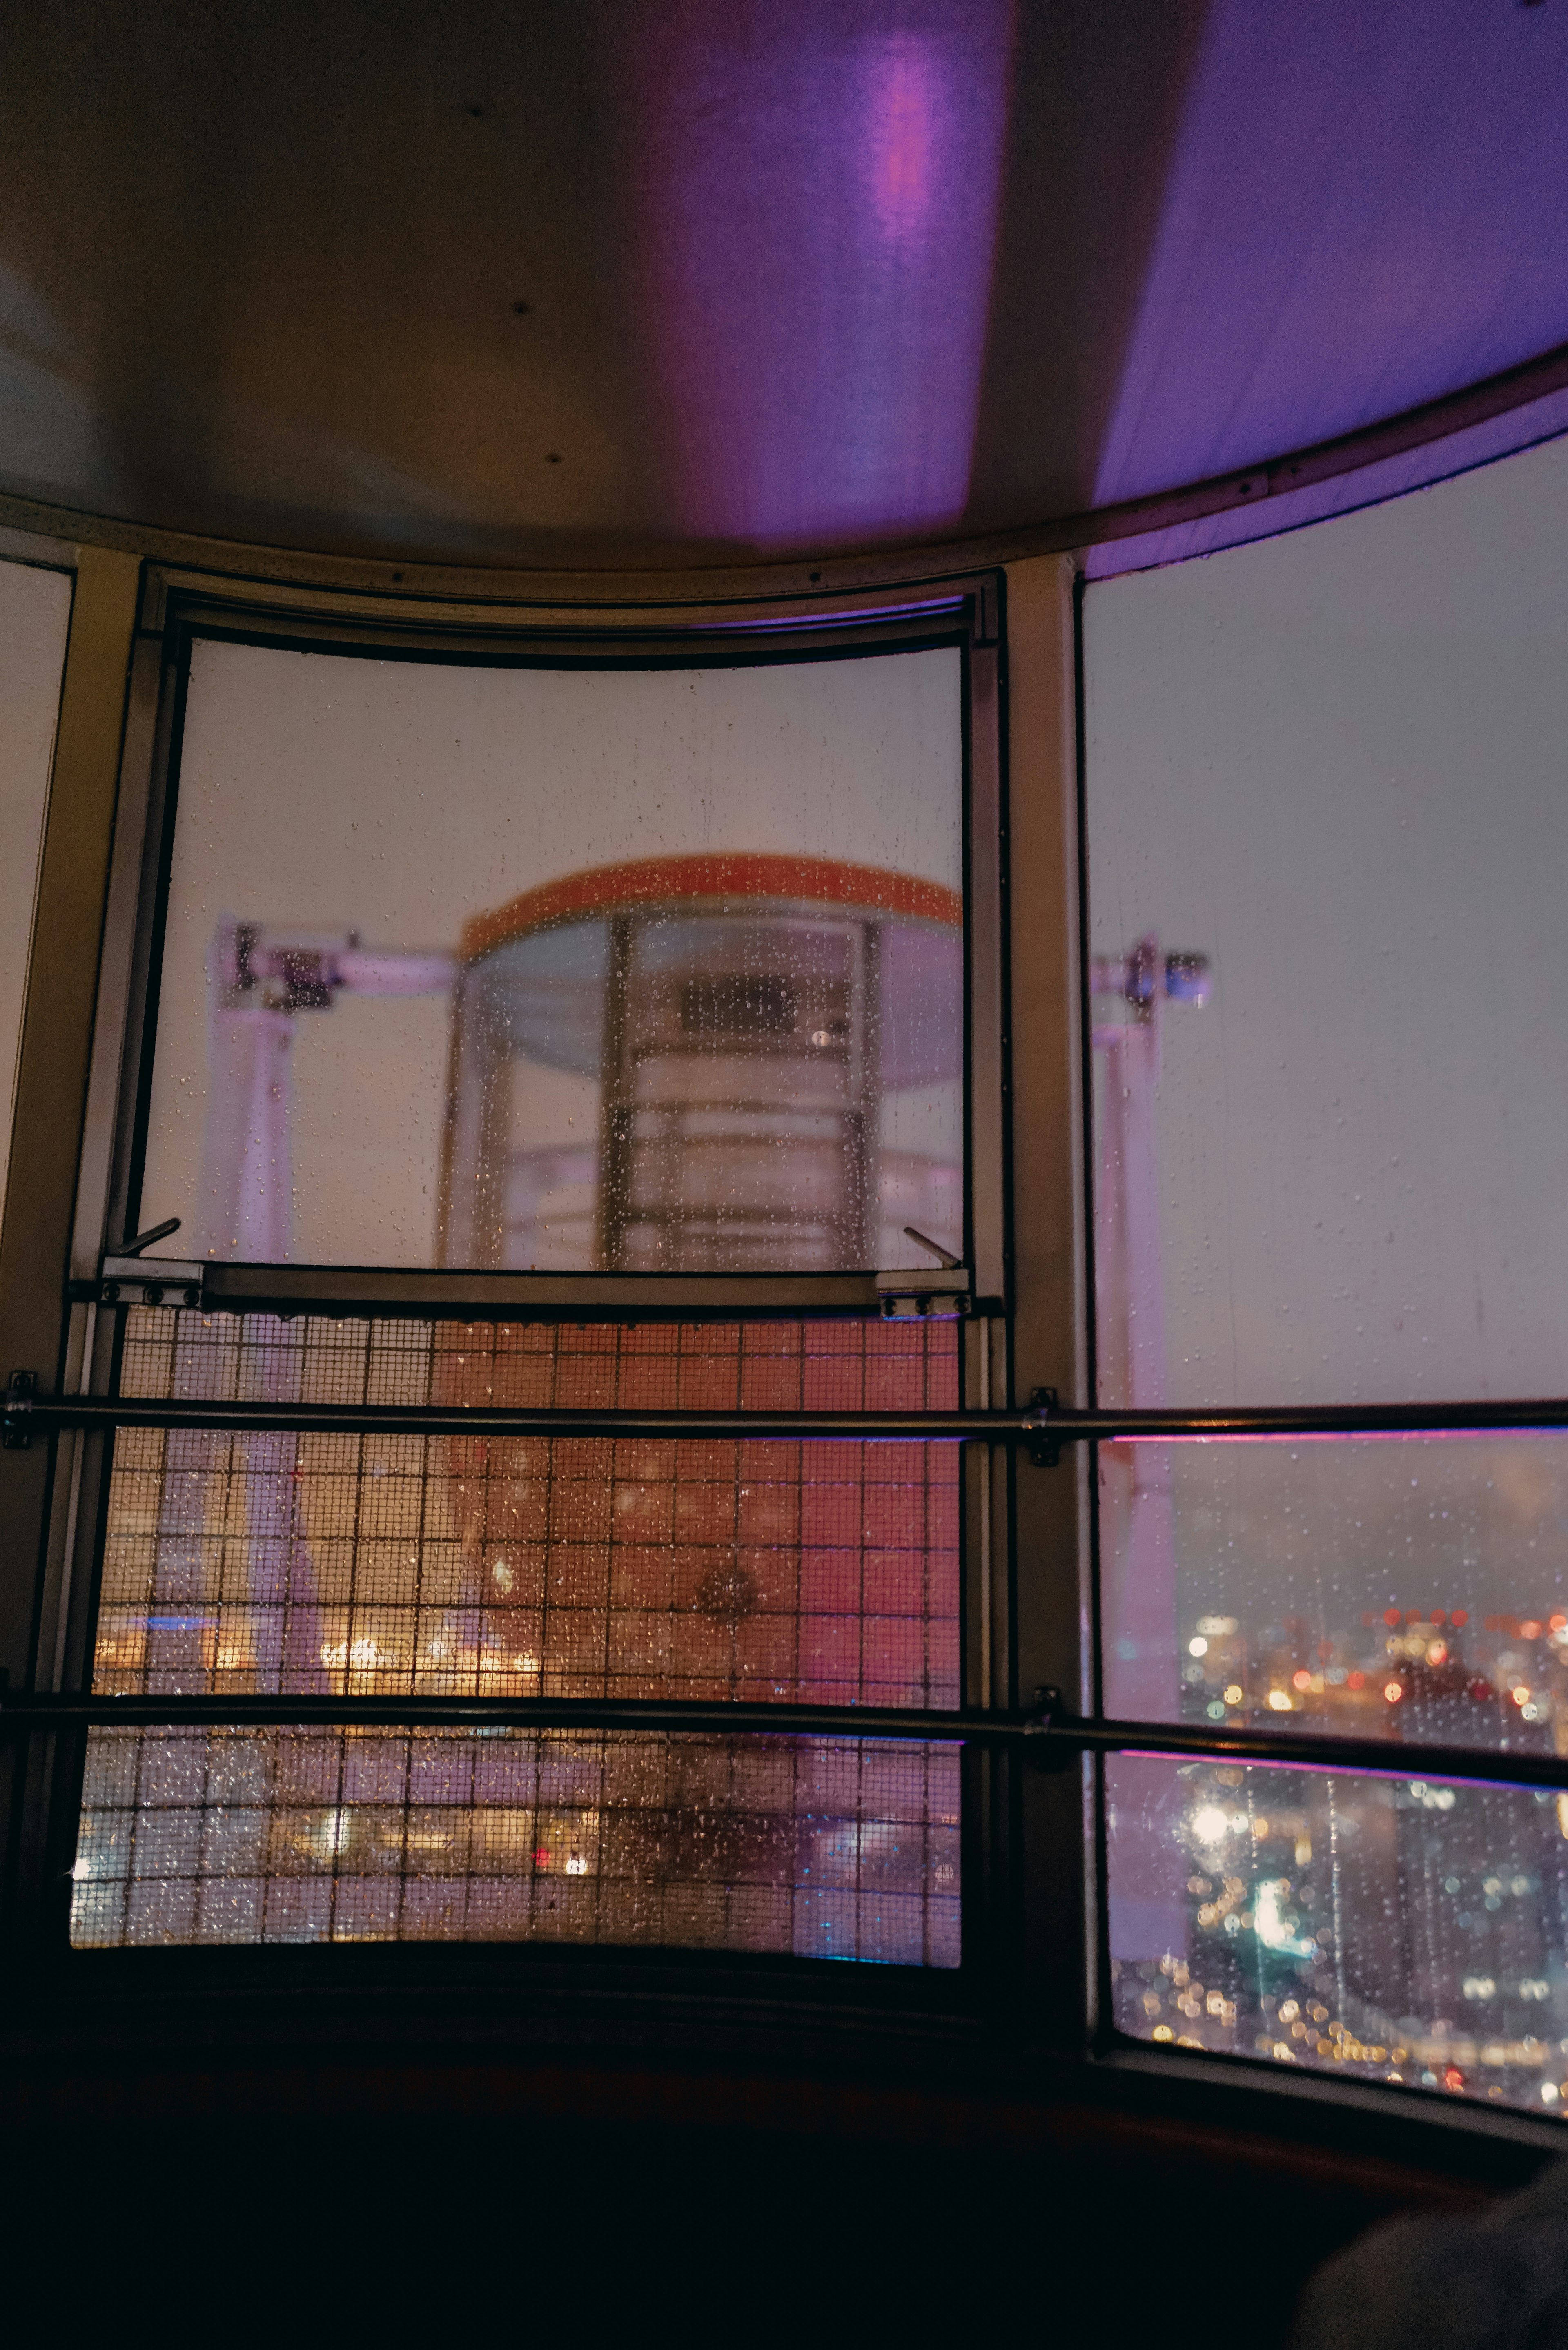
column 902, row 113
column 1350, row 1436
column 817, row 203
column 1326, row 1770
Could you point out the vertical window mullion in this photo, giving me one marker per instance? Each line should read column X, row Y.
column 1059, row 1897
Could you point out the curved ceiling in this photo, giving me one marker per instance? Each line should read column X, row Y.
column 636, row 282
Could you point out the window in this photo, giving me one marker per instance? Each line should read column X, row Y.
column 1325, row 837
column 569, row 969
column 543, row 1081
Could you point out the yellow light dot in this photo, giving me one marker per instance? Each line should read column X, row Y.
column 1163, row 2031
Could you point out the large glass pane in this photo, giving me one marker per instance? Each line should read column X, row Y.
column 1378, row 1928
column 1407, row 1587
column 34, row 614
column 1333, row 764
column 826, row 1848
column 658, row 970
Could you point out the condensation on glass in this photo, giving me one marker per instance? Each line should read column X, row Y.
column 1410, row 1587
column 349, row 1565
column 34, row 616
column 1403, row 1929
column 1329, row 768
column 826, row 1848
column 563, row 970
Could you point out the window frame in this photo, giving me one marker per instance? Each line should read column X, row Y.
column 175, row 608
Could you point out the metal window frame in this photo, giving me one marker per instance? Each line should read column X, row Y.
column 79, row 1408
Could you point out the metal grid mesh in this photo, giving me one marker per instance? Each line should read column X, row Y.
column 406, row 1565
column 345, row 1564
column 833, row 1848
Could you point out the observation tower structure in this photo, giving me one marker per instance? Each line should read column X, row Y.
column 719, row 1062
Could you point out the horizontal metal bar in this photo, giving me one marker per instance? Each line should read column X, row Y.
column 1049, row 1739
column 1309, row 1419
column 354, row 1291
column 1305, row 1751
column 684, row 1716
column 501, row 1419
column 1041, row 1428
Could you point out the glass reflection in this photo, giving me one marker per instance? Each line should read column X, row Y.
column 1381, row 1927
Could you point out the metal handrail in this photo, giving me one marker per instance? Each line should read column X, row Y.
column 1047, row 1733
column 1042, row 1427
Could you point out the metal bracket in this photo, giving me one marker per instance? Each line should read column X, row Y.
column 943, row 1296
column 15, row 1435
column 123, row 1280
column 167, row 1281
column 1045, row 1447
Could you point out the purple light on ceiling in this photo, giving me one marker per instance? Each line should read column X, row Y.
column 1364, row 212
column 819, row 191
column 902, row 123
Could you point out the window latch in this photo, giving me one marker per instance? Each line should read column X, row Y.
column 941, row 1296
column 124, row 1280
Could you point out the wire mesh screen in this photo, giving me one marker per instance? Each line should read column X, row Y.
column 342, row 1565
column 407, row 1565
column 829, row 1848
